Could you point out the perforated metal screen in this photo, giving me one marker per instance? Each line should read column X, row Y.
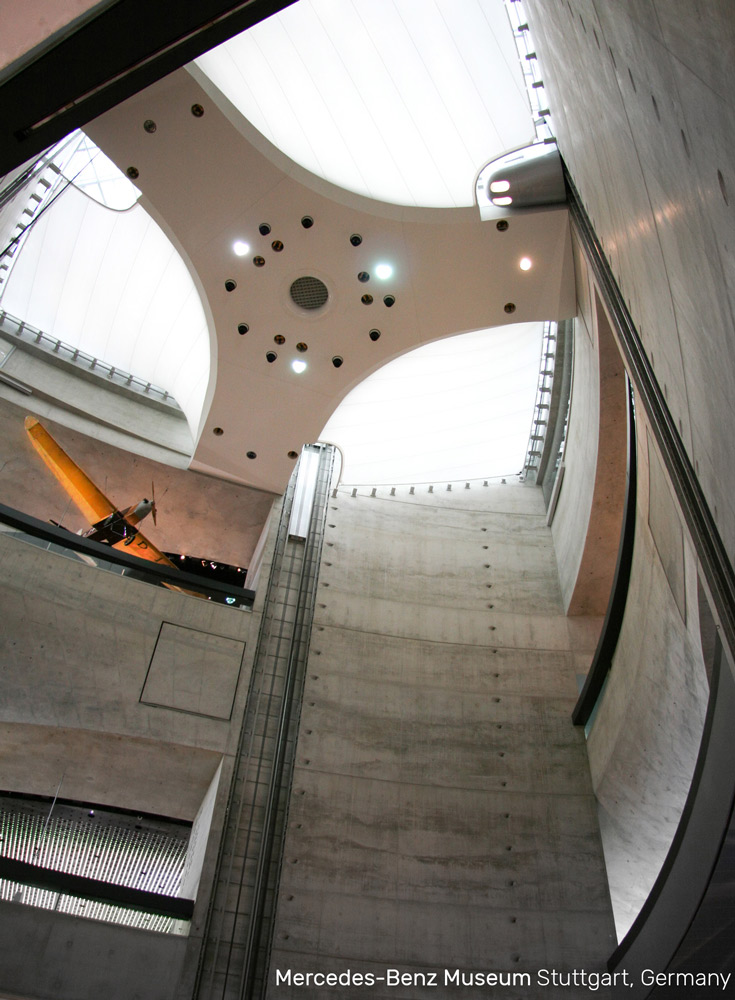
column 117, row 848
column 309, row 292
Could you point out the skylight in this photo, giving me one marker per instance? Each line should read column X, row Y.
column 458, row 408
column 84, row 165
column 113, row 285
column 400, row 100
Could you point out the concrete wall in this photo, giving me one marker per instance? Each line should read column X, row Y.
column 644, row 740
column 54, row 955
column 65, row 392
column 641, row 103
column 441, row 813
column 98, row 686
column 645, row 737
column 133, row 696
column 574, row 506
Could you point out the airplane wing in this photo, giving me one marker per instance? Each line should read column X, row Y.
column 139, row 545
column 91, row 501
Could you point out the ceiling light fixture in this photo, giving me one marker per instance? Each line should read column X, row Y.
column 498, row 187
column 525, row 263
column 240, row 248
column 506, row 200
column 383, row 271
column 298, row 366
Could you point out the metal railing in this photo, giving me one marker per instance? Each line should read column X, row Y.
column 63, row 542
column 26, row 333
column 530, row 69
column 540, row 422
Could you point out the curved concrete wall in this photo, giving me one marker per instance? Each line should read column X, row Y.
column 644, row 740
column 441, row 812
column 641, row 104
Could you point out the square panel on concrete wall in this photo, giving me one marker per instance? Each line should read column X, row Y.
column 193, row 671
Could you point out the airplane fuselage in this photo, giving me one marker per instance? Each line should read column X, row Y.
column 120, row 525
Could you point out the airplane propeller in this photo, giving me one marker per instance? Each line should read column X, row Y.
column 154, row 508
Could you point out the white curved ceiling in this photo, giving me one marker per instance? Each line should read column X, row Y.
column 458, row 408
column 400, row 100
column 112, row 284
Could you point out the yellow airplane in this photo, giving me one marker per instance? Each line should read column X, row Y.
column 115, row 527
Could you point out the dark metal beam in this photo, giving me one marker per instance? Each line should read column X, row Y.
column 91, row 888
column 122, row 48
column 141, row 567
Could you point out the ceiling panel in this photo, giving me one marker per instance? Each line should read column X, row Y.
column 400, row 100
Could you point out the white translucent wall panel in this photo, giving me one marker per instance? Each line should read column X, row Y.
column 112, row 284
column 400, row 100
column 459, row 408
column 87, row 167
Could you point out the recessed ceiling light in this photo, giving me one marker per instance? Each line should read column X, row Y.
column 497, row 187
column 525, row 263
column 298, row 366
column 383, row 271
column 506, row 200
column 241, row 248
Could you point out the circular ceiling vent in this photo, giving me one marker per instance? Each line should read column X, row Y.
column 309, row 293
